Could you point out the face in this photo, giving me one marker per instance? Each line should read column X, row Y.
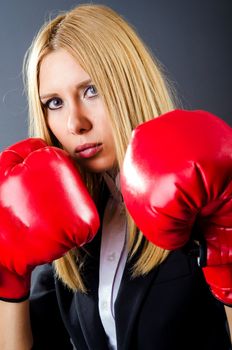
column 75, row 112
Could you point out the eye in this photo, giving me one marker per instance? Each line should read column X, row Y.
column 91, row 91
column 53, row 103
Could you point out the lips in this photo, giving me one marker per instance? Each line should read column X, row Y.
column 88, row 150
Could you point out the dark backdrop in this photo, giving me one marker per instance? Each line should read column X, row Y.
column 192, row 38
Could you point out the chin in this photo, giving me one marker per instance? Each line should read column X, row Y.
column 99, row 167
column 98, row 170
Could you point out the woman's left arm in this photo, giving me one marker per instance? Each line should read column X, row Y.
column 229, row 318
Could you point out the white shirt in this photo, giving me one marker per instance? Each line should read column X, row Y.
column 113, row 257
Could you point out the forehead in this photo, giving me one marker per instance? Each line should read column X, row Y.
column 59, row 67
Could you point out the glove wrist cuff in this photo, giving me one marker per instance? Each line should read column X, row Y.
column 13, row 288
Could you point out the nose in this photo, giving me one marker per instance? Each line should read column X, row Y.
column 78, row 121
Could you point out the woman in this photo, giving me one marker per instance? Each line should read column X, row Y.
column 90, row 82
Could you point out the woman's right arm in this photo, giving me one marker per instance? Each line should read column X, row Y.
column 15, row 328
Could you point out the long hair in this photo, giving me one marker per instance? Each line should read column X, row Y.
column 134, row 90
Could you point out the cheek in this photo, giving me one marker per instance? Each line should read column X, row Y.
column 111, row 145
column 50, row 123
column 109, row 134
column 55, row 127
column 108, row 130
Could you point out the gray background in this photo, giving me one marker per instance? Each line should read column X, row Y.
column 192, row 38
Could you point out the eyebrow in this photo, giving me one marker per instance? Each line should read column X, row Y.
column 78, row 86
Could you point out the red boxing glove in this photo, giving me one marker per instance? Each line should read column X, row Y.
column 45, row 211
column 177, row 174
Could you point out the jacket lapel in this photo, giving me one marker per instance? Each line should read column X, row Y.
column 87, row 304
column 90, row 322
column 128, row 302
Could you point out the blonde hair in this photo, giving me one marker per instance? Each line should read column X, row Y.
column 133, row 89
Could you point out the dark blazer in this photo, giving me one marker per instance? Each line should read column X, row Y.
column 171, row 308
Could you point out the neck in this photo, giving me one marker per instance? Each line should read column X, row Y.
column 112, row 172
